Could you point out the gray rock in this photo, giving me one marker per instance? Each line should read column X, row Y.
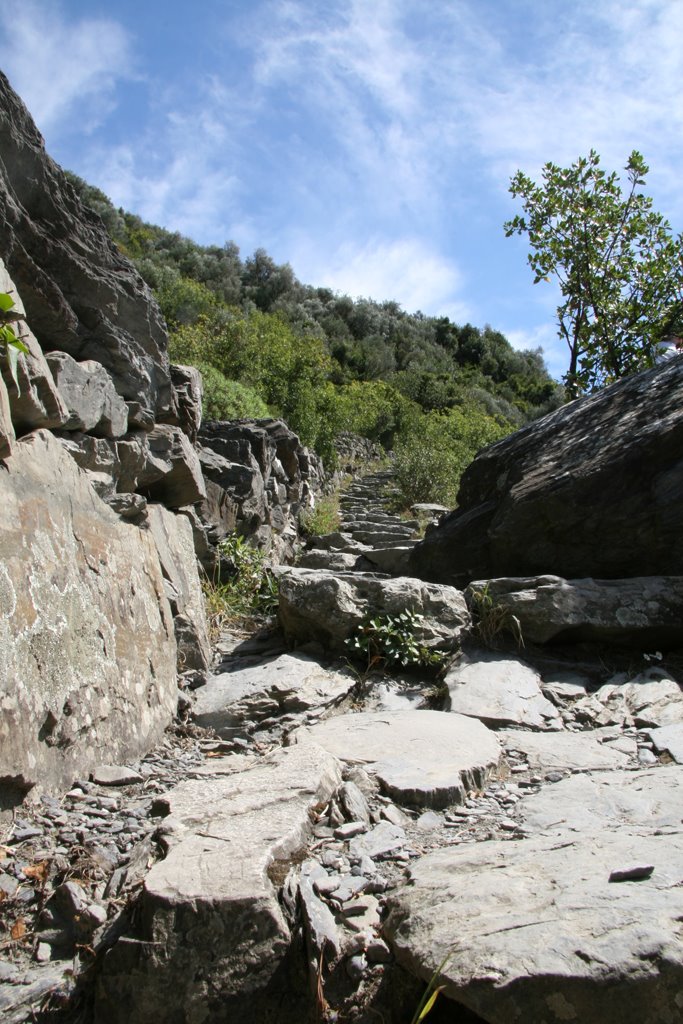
column 115, row 775
column 173, row 539
column 641, row 611
column 533, row 930
column 424, row 758
column 669, row 740
column 381, row 841
column 81, row 295
column 188, row 391
column 172, row 474
column 315, row 605
column 592, row 490
column 576, row 751
column 354, row 803
column 33, row 398
column 500, row 690
column 78, row 588
column 89, row 395
column 291, row 683
column 212, row 923
column 322, row 934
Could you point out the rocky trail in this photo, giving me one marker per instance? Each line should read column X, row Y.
column 316, row 840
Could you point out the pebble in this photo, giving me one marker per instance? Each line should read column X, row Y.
column 350, row 829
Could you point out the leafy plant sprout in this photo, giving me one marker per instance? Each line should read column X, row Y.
column 9, row 341
column 385, row 639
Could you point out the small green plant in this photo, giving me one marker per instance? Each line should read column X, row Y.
column 492, row 620
column 9, row 342
column 323, row 517
column 244, row 588
column 385, row 639
column 426, row 1004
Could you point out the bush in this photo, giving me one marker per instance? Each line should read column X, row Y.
column 228, row 399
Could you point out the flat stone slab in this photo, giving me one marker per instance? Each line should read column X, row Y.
column 613, row 800
column 210, row 908
column 291, row 683
column 669, row 739
column 421, row 758
column 500, row 690
column 533, row 930
column 575, row 751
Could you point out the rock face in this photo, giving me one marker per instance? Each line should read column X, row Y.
column 640, row 612
column 81, row 296
column 594, row 489
column 318, row 605
column 88, row 658
column 214, row 927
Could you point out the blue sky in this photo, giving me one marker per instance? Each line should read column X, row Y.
column 369, row 143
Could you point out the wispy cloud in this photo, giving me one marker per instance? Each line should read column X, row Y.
column 57, row 64
column 379, row 269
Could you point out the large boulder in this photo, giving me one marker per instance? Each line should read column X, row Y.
column 594, row 489
column 645, row 612
column 212, row 934
column 87, row 651
column 329, row 607
column 82, row 296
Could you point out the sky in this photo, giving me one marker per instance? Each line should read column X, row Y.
column 368, row 143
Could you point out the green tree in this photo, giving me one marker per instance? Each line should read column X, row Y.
column 619, row 268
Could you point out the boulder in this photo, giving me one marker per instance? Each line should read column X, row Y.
column 595, row 489
column 534, row 930
column 173, row 539
column 188, row 391
column 421, row 758
column 87, row 651
column 317, row 605
column 81, row 295
column 213, row 934
column 172, row 473
column 34, row 400
column 89, row 394
column 500, row 690
column 288, row 685
column 644, row 612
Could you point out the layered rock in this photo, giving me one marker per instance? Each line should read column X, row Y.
column 81, row 295
column 88, row 659
column 592, row 490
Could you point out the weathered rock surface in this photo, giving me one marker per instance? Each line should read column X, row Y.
column 287, row 685
column 88, row 656
column 82, row 296
column 214, row 929
column 423, row 758
column 173, row 539
column 592, row 490
column 640, row 611
column 534, row 930
column 573, row 751
column 89, row 394
column 33, row 398
column 316, row 605
column 500, row 690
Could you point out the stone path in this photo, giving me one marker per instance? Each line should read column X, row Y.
column 520, row 819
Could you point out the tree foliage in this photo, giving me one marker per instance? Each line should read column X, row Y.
column 619, row 268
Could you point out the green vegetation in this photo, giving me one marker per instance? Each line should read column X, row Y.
column 9, row 342
column 619, row 269
column 323, row 517
column 267, row 344
column 493, row 621
column 244, row 589
column 393, row 640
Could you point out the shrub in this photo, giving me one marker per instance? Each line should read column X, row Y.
column 393, row 640
column 228, row 399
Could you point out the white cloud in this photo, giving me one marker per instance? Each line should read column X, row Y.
column 59, row 66
column 405, row 271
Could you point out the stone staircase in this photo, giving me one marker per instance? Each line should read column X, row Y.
column 370, row 538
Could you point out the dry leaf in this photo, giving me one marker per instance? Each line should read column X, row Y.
column 38, row 871
column 18, row 930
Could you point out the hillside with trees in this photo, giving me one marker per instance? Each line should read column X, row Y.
column 266, row 344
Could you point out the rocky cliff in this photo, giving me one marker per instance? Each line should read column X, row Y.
column 107, row 496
